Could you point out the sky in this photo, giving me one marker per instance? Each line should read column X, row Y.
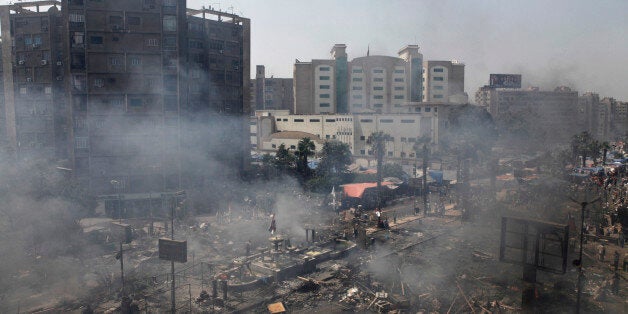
column 576, row 43
column 580, row 44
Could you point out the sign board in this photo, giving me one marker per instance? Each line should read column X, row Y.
column 505, row 80
column 121, row 232
column 539, row 244
column 172, row 250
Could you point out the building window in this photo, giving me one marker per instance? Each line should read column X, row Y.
column 114, row 61
column 438, row 78
column 152, row 42
column 357, row 105
column 323, row 69
column 362, row 152
column 390, row 154
column 324, row 95
column 324, row 105
column 99, row 83
column 357, row 96
column 378, row 79
column 169, row 3
column 378, row 105
column 438, row 87
column 96, row 40
column 323, row 86
column 133, row 20
column 385, row 121
column 398, row 96
column 81, row 142
column 378, row 88
column 362, row 138
column 136, row 60
column 378, row 71
column 428, row 109
column 399, row 88
column 323, row 78
column 357, row 79
column 135, row 103
column 399, row 79
column 298, row 120
column 357, row 71
column 170, row 23
column 378, row 97
column 356, row 88
column 403, row 139
column 417, row 109
column 438, row 70
column 366, row 120
column 330, row 120
column 274, row 145
column 407, row 121
column 315, row 120
column 399, row 71
column 438, row 96
column 47, row 90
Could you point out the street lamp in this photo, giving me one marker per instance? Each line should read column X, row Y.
column 116, row 186
column 578, row 262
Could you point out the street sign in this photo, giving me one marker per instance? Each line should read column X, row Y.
column 542, row 245
column 172, row 250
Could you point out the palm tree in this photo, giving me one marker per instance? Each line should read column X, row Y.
column 421, row 144
column 378, row 146
column 305, row 148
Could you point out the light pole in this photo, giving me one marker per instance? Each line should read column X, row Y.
column 578, row 262
column 116, row 186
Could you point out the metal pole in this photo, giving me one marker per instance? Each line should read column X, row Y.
column 122, row 267
column 172, row 295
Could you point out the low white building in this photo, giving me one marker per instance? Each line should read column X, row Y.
column 269, row 129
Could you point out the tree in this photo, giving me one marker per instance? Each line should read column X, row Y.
column 584, row 144
column 378, row 146
column 305, row 149
column 284, row 159
column 335, row 157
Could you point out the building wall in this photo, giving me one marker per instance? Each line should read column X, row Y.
column 443, row 81
column 555, row 113
column 369, row 84
column 129, row 90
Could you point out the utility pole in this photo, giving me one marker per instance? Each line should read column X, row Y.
column 579, row 261
column 172, row 295
column 425, row 156
column 122, row 267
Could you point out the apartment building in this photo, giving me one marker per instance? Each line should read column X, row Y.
column 270, row 93
column 375, row 84
column 131, row 92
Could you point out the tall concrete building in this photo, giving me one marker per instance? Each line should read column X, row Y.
column 618, row 117
column 555, row 113
column 270, row 93
column 130, row 92
column 374, row 84
column 443, row 81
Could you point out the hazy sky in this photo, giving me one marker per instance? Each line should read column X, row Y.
column 581, row 44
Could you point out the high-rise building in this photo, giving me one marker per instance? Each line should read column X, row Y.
column 443, row 81
column 373, row 84
column 131, row 92
column 270, row 93
column 554, row 115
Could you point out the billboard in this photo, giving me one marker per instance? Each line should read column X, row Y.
column 505, row 80
column 539, row 244
column 172, row 250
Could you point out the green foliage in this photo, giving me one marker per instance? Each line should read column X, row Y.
column 392, row 170
column 305, row 149
column 335, row 157
column 471, row 132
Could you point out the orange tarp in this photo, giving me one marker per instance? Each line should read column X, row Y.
column 357, row 189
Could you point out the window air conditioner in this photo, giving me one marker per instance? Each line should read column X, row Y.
column 44, row 62
column 29, row 79
column 59, row 63
column 21, row 62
